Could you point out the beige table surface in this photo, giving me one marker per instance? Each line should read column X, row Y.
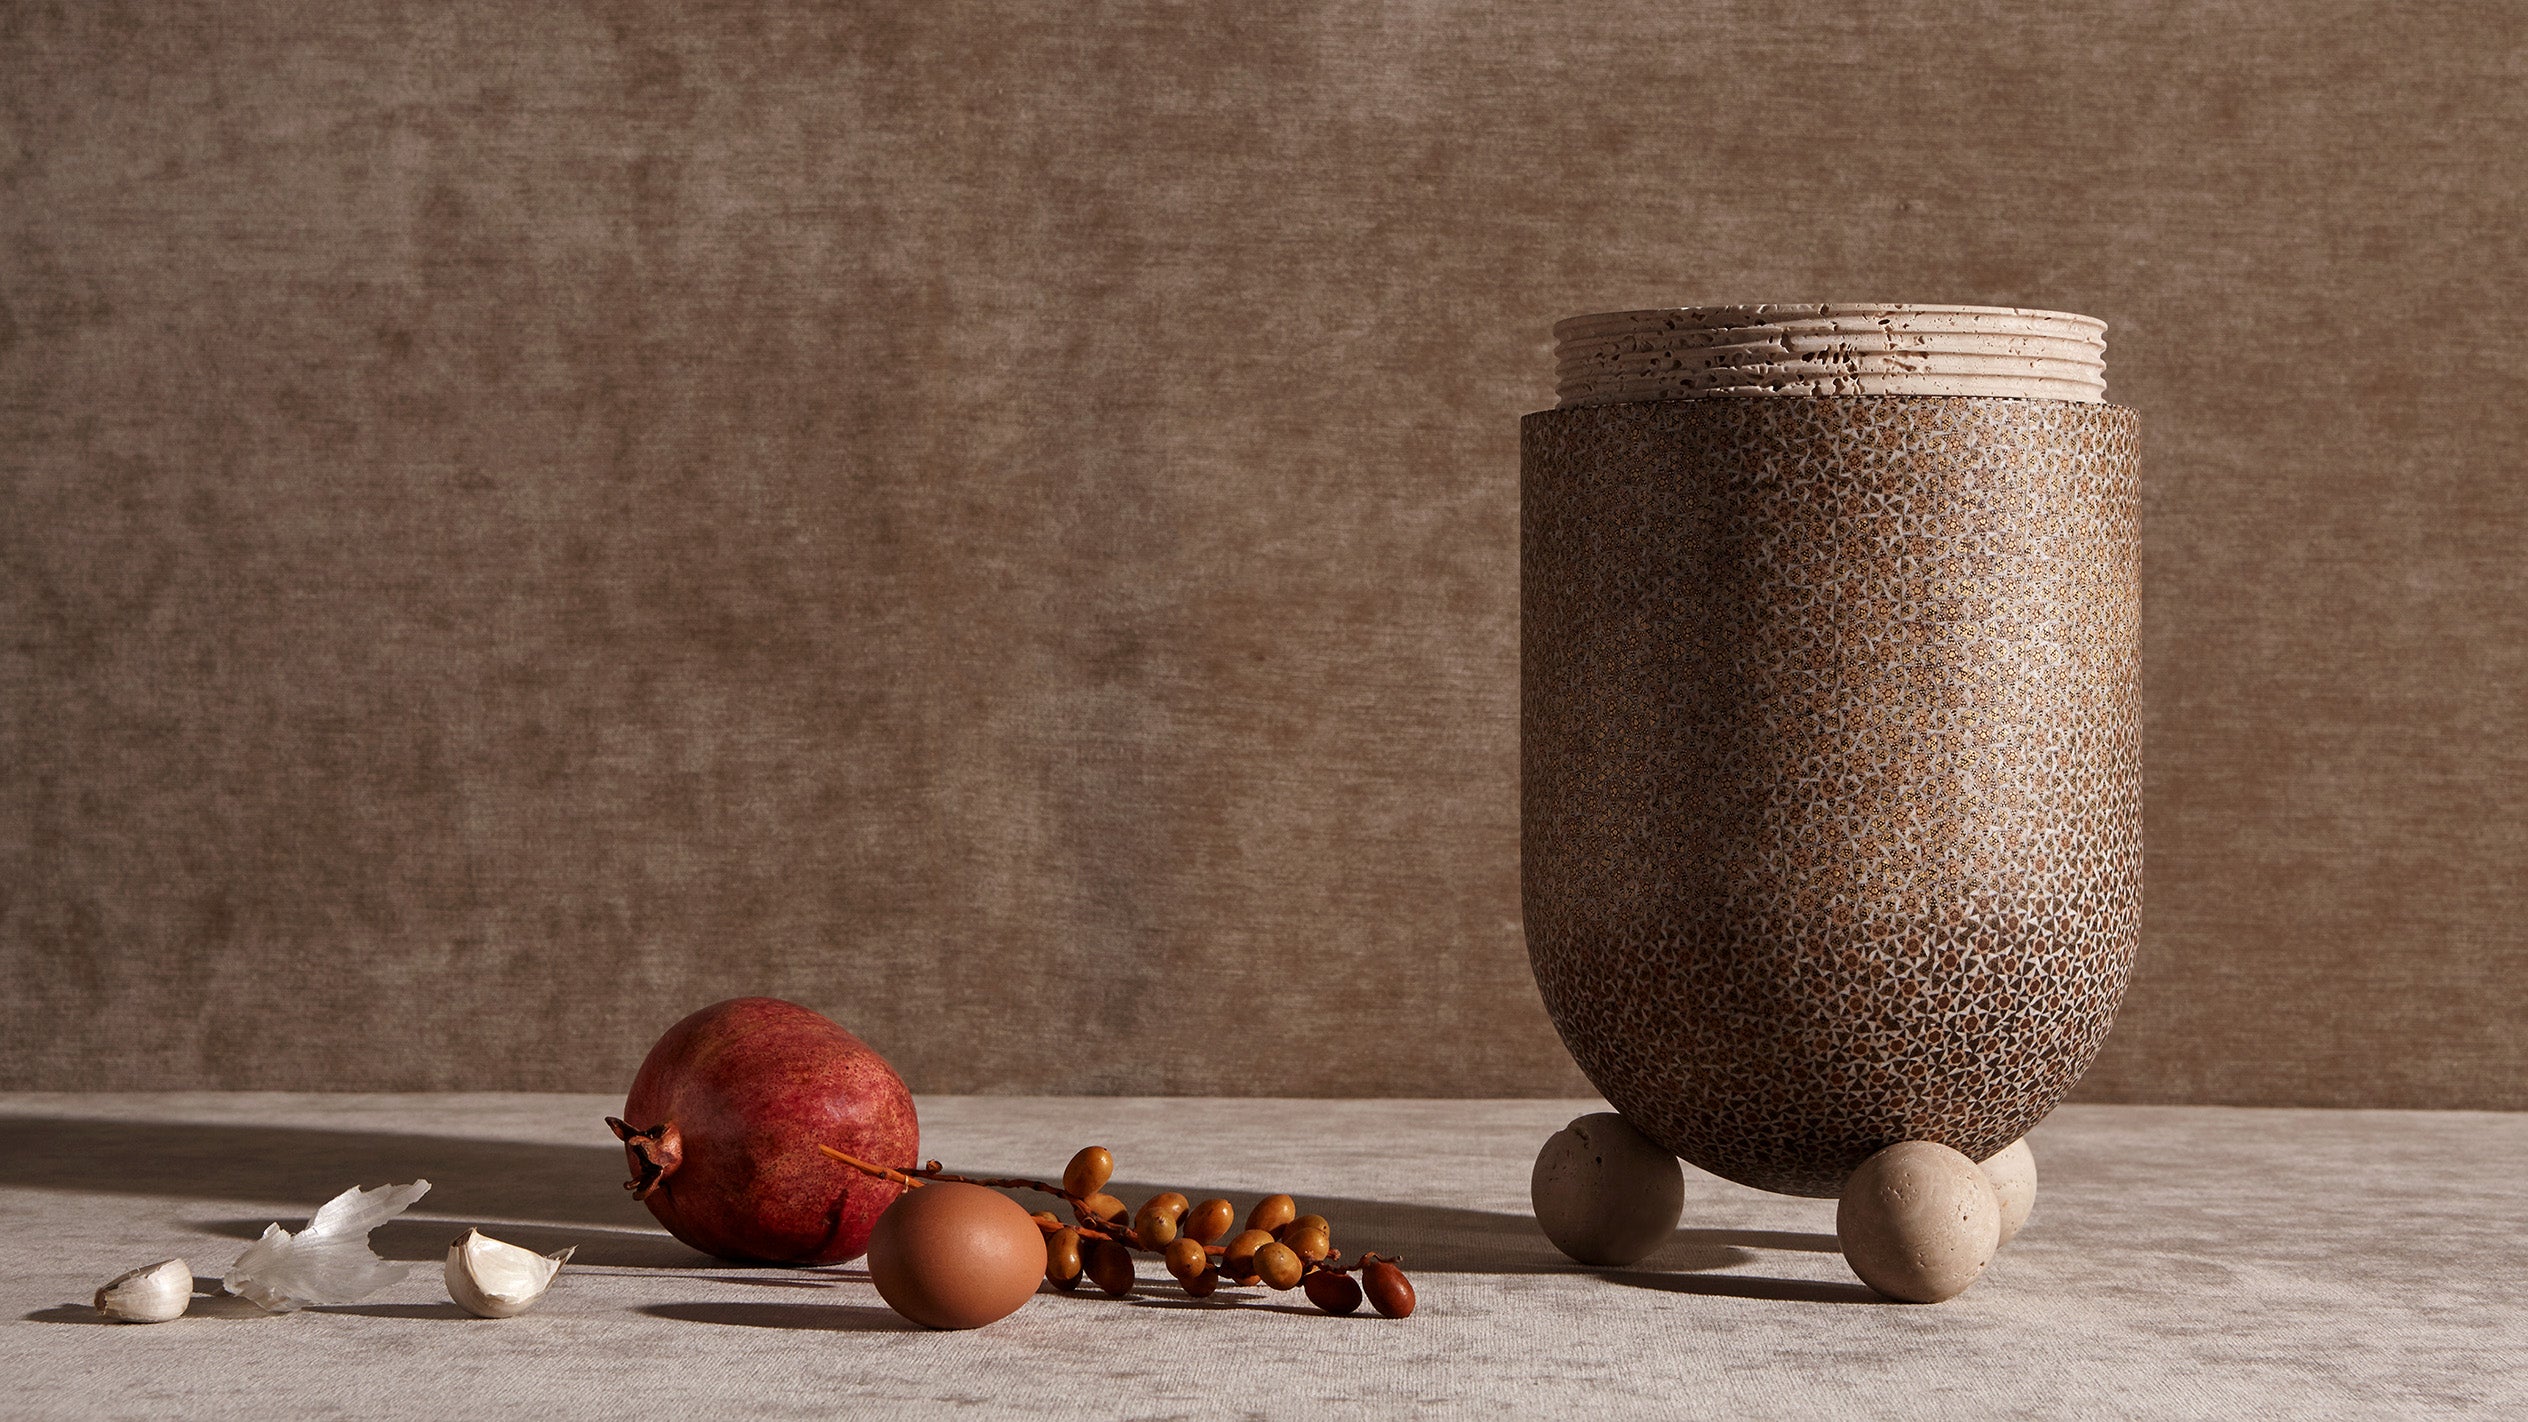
column 2182, row 1262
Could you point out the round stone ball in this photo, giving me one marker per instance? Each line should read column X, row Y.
column 2013, row 1177
column 1604, row 1192
column 1918, row 1222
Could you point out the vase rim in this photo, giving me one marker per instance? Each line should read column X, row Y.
column 1826, row 348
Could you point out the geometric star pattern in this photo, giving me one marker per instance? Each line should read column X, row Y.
column 1830, row 752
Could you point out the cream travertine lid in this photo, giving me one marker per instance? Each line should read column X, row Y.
column 1702, row 352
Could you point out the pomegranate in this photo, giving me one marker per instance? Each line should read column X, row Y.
column 722, row 1124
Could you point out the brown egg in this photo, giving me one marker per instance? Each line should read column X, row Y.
column 955, row 1256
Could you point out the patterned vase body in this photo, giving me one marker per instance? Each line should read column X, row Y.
column 1831, row 756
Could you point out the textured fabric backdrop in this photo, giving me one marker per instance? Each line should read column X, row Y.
column 999, row 523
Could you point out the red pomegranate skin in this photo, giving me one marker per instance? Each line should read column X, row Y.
column 724, row 1120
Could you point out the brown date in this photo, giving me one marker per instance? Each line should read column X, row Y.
column 1278, row 1266
column 1239, row 1262
column 1186, row 1258
column 1062, row 1259
column 1109, row 1267
column 1272, row 1212
column 1389, row 1291
column 1335, row 1293
column 1156, row 1224
column 1209, row 1220
column 1089, row 1170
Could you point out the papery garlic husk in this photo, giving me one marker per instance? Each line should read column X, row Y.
column 152, row 1295
column 329, row 1262
column 498, row 1280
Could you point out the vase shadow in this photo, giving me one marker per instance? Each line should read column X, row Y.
column 447, row 1311
column 1448, row 1240
column 1745, row 1286
column 563, row 1184
column 424, row 1240
column 830, row 1318
column 1442, row 1239
column 1797, row 1241
column 547, row 1197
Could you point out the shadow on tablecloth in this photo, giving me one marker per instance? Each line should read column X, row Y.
column 546, row 1197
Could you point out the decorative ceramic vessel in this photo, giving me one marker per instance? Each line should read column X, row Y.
column 1830, row 743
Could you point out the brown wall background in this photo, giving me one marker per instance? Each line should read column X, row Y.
column 998, row 522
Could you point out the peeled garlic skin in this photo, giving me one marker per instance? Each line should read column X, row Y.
column 152, row 1295
column 330, row 1261
column 493, row 1279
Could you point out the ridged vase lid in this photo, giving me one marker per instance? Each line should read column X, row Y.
column 1706, row 352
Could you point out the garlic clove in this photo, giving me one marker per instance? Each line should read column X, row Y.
column 498, row 1280
column 152, row 1295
